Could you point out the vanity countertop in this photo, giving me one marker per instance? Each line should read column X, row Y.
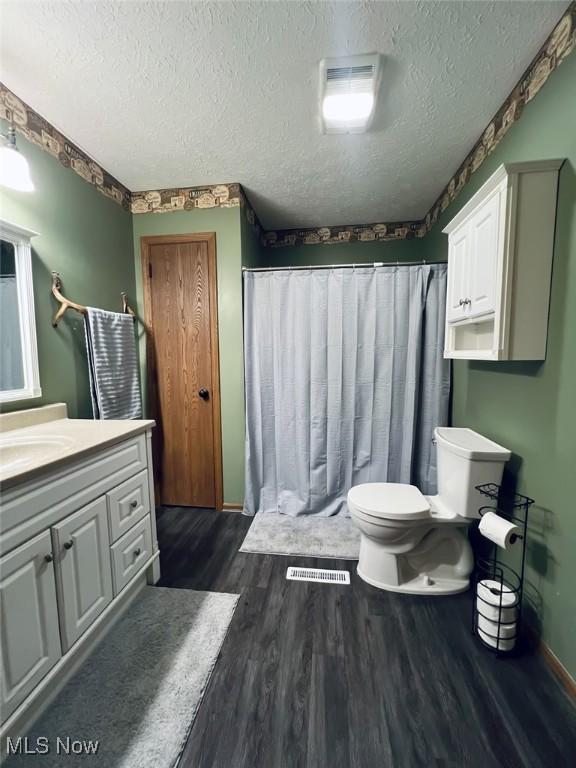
column 27, row 451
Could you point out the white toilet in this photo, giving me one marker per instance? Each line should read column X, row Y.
column 419, row 544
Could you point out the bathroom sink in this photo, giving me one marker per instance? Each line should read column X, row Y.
column 17, row 453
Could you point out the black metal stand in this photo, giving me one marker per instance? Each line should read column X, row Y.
column 497, row 605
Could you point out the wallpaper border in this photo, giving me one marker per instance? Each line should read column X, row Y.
column 559, row 44
column 186, row 198
column 43, row 134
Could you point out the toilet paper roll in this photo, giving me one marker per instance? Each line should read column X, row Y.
column 490, row 628
column 493, row 613
column 497, row 529
column 500, row 645
column 496, row 601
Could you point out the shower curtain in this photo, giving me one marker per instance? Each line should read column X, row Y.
column 345, row 382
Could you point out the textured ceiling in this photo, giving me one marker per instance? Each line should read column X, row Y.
column 192, row 93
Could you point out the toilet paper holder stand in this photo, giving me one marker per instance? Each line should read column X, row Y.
column 498, row 632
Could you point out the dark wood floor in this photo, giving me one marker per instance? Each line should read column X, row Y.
column 328, row 676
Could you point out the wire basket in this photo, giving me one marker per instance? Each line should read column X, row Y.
column 497, row 587
column 497, row 601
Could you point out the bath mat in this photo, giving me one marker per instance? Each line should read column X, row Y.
column 307, row 536
column 138, row 693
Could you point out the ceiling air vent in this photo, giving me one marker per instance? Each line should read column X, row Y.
column 348, row 90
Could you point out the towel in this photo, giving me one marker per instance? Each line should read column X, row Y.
column 112, row 365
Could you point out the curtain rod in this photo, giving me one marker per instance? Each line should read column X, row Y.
column 423, row 262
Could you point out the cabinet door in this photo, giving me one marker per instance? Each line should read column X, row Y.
column 30, row 640
column 484, row 229
column 83, row 569
column 458, row 274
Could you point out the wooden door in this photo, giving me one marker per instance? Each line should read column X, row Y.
column 484, row 245
column 30, row 639
column 184, row 393
column 458, row 274
column 83, row 569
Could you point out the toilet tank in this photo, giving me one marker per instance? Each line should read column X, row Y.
column 465, row 460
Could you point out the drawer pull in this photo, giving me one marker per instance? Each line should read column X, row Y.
column 69, row 544
column 137, row 552
column 134, row 503
column 49, row 557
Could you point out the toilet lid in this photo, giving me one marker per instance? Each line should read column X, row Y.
column 394, row 501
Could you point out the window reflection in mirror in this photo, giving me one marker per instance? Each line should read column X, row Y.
column 11, row 365
column 19, row 378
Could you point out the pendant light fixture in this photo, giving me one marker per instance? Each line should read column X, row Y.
column 14, row 168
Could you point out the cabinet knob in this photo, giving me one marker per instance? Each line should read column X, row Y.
column 137, row 552
column 69, row 544
column 134, row 503
column 467, row 301
column 461, row 303
column 49, row 557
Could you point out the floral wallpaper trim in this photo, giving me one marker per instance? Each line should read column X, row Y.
column 557, row 47
column 40, row 132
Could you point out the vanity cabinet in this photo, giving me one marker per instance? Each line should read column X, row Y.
column 500, row 248
column 83, row 573
column 76, row 546
column 30, row 638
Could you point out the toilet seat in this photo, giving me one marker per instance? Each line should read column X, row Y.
column 389, row 501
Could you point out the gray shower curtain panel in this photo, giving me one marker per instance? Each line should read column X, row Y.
column 345, row 382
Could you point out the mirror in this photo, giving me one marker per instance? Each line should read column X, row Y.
column 19, row 378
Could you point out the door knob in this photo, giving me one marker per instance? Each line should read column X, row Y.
column 204, row 394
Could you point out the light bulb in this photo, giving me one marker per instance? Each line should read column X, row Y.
column 347, row 107
column 14, row 168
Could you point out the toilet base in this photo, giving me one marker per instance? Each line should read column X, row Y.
column 419, row 585
column 436, row 561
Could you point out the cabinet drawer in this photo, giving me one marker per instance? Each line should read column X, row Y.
column 30, row 508
column 130, row 553
column 127, row 504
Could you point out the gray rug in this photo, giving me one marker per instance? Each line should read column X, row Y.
column 307, row 535
column 139, row 692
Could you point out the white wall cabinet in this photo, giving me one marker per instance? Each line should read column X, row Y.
column 458, row 275
column 500, row 248
column 30, row 639
column 83, row 574
column 60, row 589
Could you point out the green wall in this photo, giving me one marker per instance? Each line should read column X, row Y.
column 225, row 222
column 88, row 239
column 342, row 253
column 530, row 407
column 250, row 244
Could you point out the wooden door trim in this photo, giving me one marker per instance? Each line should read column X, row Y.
column 210, row 239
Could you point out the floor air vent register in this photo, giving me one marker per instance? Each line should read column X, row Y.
column 318, row 574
